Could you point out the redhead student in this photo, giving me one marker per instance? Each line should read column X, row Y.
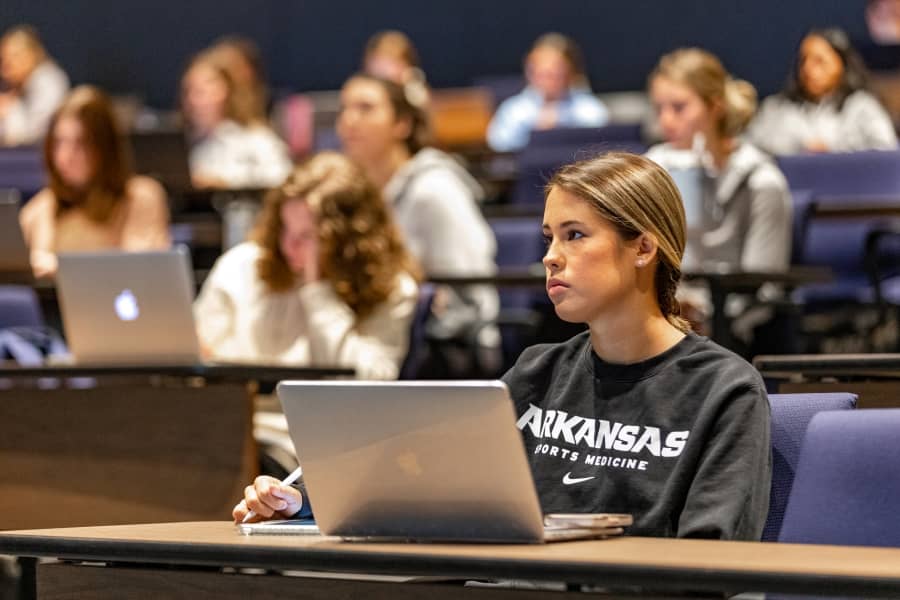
column 826, row 105
column 739, row 206
column 325, row 279
column 434, row 200
column 230, row 146
column 638, row 414
column 93, row 200
column 33, row 87
column 557, row 95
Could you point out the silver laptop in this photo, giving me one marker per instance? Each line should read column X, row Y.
column 14, row 262
column 415, row 460
column 128, row 307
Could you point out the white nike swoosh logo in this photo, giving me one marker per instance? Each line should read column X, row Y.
column 569, row 480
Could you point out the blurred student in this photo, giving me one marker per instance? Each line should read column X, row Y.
column 241, row 58
column 557, row 95
column 32, row 87
column 737, row 200
column 638, row 414
column 826, row 105
column 391, row 55
column 230, row 148
column 325, row 279
column 93, row 201
column 434, row 201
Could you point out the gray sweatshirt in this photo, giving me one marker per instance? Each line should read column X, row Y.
column 745, row 212
column 680, row 440
column 783, row 126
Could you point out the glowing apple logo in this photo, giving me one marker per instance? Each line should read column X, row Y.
column 127, row 306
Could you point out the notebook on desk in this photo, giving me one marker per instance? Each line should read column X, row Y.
column 435, row 461
column 128, row 307
column 14, row 261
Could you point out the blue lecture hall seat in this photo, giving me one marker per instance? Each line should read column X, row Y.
column 19, row 307
column 847, row 481
column 415, row 354
column 791, row 414
column 548, row 150
column 838, row 179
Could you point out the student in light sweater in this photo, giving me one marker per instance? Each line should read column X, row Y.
column 638, row 414
column 33, row 87
column 557, row 95
column 384, row 128
column 325, row 279
column 93, row 200
column 739, row 205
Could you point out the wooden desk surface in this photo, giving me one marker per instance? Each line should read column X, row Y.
column 665, row 563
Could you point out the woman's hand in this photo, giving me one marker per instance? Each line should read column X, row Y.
column 269, row 499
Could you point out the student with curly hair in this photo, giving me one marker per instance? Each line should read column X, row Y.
column 325, row 279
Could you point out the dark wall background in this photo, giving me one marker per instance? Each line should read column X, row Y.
column 130, row 46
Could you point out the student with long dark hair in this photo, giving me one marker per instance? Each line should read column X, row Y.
column 826, row 105
column 93, row 200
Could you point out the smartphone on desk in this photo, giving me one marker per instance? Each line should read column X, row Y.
column 587, row 520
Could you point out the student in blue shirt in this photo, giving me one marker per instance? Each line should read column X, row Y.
column 557, row 95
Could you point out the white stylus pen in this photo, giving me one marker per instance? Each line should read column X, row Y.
column 286, row 481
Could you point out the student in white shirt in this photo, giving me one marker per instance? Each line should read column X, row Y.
column 325, row 279
column 36, row 87
column 230, row 148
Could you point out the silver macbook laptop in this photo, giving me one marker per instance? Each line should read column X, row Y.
column 14, row 262
column 128, row 307
column 416, row 460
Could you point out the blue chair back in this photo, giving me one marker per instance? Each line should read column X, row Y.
column 791, row 414
column 871, row 173
column 847, row 482
column 547, row 151
column 417, row 342
column 22, row 168
column 501, row 87
column 818, row 179
column 19, row 307
column 520, row 243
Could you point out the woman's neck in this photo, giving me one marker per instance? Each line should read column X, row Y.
column 630, row 337
column 720, row 148
column 381, row 168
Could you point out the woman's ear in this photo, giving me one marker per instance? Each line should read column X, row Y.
column 647, row 245
column 403, row 128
